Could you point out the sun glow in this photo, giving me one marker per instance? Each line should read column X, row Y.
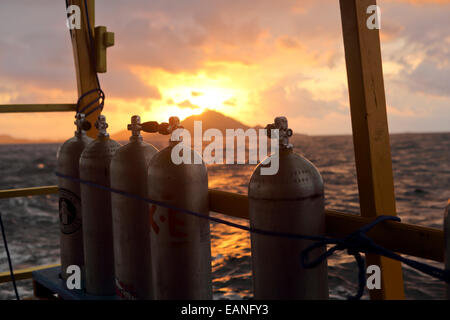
column 185, row 94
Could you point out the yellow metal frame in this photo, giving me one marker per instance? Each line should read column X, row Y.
column 16, row 108
column 25, row 192
column 23, row 274
column 371, row 143
column 370, row 131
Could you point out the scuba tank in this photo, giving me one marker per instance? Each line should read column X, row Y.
column 96, row 209
column 289, row 201
column 71, row 233
column 180, row 243
column 131, row 228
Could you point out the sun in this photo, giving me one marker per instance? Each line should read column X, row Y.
column 187, row 101
column 212, row 98
column 185, row 94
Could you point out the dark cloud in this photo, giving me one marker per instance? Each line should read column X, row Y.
column 187, row 104
column 35, row 45
column 230, row 102
column 125, row 85
column 429, row 78
column 289, row 42
column 424, row 32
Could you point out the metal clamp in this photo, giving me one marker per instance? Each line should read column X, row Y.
column 164, row 128
column 103, row 39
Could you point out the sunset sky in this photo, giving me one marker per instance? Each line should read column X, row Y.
column 252, row 60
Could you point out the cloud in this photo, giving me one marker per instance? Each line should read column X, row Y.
column 290, row 98
column 390, row 30
column 422, row 2
column 429, row 78
column 187, row 104
column 418, row 41
column 270, row 56
column 196, row 94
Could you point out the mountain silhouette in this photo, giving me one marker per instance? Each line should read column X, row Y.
column 209, row 118
column 212, row 119
column 6, row 139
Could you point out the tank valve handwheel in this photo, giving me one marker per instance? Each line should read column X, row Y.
column 81, row 122
column 150, row 126
column 284, row 133
column 101, row 126
column 164, row 128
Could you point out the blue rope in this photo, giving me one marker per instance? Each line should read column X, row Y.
column 11, row 270
column 355, row 243
column 358, row 242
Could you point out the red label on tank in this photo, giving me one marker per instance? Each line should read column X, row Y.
column 176, row 225
column 155, row 227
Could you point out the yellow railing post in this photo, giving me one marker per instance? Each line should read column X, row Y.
column 83, row 56
column 370, row 131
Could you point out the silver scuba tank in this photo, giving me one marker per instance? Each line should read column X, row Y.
column 96, row 210
column 290, row 201
column 131, row 228
column 70, row 222
column 180, row 243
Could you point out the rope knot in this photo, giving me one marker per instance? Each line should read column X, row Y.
column 354, row 243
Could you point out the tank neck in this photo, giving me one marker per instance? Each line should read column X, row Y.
column 136, row 138
column 174, row 143
column 79, row 123
column 286, row 149
column 103, row 138
column 80, row 134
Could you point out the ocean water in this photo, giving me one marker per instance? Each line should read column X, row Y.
column 421, row 164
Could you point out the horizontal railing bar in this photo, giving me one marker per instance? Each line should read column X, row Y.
column 60, row 107
column 24, row 192
column 400, row 237
column 23, row 274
